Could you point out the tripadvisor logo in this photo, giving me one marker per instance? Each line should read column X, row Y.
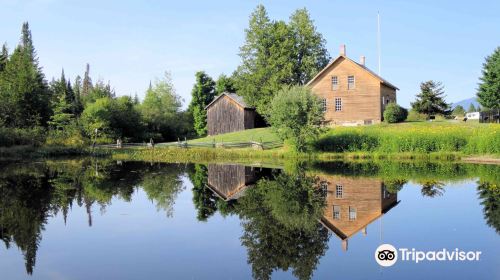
column 387, row 255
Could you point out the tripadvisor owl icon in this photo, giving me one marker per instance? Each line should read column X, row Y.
column 386, row 255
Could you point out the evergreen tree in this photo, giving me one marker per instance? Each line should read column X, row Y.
column 62, row 116
column 23, row 88
column 459, row 111
column 224, row 84
column 202, row 94
column 136, row 99
column 87, row 82
column 4, row 57
column 430, row 100
column 471, row 108
column 489, row 88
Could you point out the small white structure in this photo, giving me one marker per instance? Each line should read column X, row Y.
column 473, row 116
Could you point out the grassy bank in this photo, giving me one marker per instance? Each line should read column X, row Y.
column 257, row 134
column 416, row 140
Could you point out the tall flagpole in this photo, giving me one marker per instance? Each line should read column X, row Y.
column 378, row 40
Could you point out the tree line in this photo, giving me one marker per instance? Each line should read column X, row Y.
column 69, row 111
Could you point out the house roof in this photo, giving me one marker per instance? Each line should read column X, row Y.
column 236, row 98
column 382, row 80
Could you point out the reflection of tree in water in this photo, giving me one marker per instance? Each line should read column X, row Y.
column 204, row 200
column 432, row 188
column 394, row 185
column 489, row 193
column 277, row 240
column 163, row 186
column 24, row 208
column 32, row 193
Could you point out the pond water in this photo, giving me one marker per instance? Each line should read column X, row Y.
column 102, row 219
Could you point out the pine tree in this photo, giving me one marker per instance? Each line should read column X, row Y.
column 23, row 87
column 459, row 111
column 62, row 116
column 136, row 99
column 489, row 88
column 471, row 108
column 87, row 82
column 430, row 100
column 202, row 94
column 4, row 57
column 77, row 88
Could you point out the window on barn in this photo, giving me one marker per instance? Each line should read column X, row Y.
column 323, row 104
column 351, row 82
column 335, row 82
column 338, row 104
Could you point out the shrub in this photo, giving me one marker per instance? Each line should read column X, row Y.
column 394, row 113
column 414, row 116
column 21, row 136
column 295, row 115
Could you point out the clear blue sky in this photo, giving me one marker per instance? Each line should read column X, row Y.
column 132, row 42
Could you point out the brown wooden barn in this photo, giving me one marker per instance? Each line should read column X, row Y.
column 351, row 93
column 228, row 112
column 229, row 181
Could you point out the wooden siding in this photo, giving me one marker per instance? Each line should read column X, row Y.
column 360, row 105
column 249, row 118
column 367, row 195
column 227, row 180
column 386, row 93
column 225, row 115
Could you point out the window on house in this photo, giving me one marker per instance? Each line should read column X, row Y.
column 323, row 105
column 350, row 82
column 338, row 104
column 335, row 82
column 336, row 212
column 339, row 191
column 352, row 213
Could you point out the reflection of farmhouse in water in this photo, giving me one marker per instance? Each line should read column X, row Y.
column 229, row 181
column 353, row 203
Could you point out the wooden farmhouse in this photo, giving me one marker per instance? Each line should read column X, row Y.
column 228, row 112
column 351, row 93
column 354, row 203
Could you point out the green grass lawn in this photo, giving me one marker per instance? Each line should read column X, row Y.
column 256, row 134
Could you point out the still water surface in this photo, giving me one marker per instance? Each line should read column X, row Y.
column 99, row 219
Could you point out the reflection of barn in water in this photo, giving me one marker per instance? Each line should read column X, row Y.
column 354, row 203
column 229, row 181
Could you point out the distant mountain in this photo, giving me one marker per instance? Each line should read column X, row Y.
column 466, row 103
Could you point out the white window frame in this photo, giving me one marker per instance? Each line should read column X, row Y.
column 335, row 82
column 338, row 104
column 336, row 214
column 353, row 213
column 339, row 191
column 349, row 84
column 323, row 105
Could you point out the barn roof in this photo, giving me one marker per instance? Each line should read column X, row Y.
column 382, row 80
column 236, row 98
